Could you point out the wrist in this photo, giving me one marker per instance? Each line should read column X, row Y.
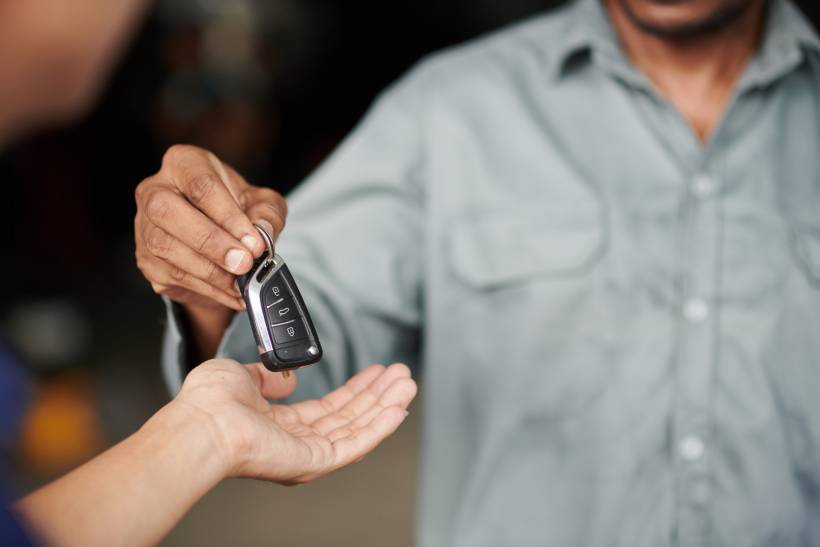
column 206, row 326
column 208, row 319
column 196, row 436
column 210, row 311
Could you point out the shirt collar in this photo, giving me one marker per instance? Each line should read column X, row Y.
column 787, row 38
column 588, row 28
column 787, row 34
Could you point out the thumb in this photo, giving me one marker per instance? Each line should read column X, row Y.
column 272, row 385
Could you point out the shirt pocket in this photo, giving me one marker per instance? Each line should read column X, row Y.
column 494, row 249
column 525, row 295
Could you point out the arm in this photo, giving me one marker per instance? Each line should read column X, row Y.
column 219, row 426
column 356, row 245
column 135, row 492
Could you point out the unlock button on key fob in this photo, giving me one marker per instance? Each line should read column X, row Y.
column 289, row 332
column 281, row 310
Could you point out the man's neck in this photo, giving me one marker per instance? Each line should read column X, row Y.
column 697, row 74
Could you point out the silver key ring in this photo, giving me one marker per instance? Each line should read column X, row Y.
column 268, row 240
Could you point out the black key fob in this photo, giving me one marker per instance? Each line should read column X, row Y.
column 285, row 336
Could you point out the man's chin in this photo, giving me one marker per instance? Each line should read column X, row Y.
column 681, row 19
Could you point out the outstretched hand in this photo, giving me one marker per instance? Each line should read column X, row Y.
column 296, row 443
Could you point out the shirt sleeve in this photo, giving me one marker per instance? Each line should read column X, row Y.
column 354, row 242
column 12, row 533
column 174, row 354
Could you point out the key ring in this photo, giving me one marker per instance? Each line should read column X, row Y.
column 267, row 238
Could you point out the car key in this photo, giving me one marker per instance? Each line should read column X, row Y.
column 281, row 324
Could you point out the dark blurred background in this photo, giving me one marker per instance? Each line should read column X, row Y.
column 270, row 86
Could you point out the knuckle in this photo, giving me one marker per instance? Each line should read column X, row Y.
column 201, row 188
column 178, row 275
column 157, row 206
column 273, row 213
column 236, row 220
column 157, row 241
column 242, row 200
column 139, row 191
column 176, row 152
column 264, row 193
column 282, row 203
column 212, row 273
column 207, row 240
column 208, row 155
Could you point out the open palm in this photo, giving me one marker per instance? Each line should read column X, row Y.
column 296, row 443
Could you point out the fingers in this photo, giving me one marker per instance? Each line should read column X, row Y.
column 172, row 212
column 354, row 447
column 272, row 385
column 204, row 184
column 268, row 209
column 393, row 387
column 348, row 423
column 311, row 411
column 197, row 214
column 166, row 277
column 370, row 426
column 400, row 394
column 163, row 245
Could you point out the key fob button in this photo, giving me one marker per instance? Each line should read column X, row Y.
column 281, row 311
column 274, row 290
column 289, row 332
column 295, row 352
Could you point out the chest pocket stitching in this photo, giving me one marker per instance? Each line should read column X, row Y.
column 493, row 249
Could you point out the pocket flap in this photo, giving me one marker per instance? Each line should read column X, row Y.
column 498, row 248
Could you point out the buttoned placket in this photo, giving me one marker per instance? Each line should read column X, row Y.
column 695, row 309
column 699, row 242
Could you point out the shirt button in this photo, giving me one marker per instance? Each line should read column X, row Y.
column 696, row 310
column 691, row 448
column 702, row 186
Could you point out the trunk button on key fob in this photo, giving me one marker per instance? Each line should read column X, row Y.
column 289, row 332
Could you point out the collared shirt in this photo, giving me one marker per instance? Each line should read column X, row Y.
column 619, row 326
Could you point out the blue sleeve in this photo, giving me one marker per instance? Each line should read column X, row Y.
column 14, row 393
column 13, row 397
column 11, row 532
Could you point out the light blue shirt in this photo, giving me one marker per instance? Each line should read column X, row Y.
column 619, row 327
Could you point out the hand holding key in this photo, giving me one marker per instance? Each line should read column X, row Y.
column 194, row 227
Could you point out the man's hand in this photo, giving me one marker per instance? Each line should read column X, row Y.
column 292, row 444
column 194, row 228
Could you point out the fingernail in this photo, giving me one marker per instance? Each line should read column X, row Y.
column 234, row 258
column 242, row 305
column 406, row 413
column 250, row 242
